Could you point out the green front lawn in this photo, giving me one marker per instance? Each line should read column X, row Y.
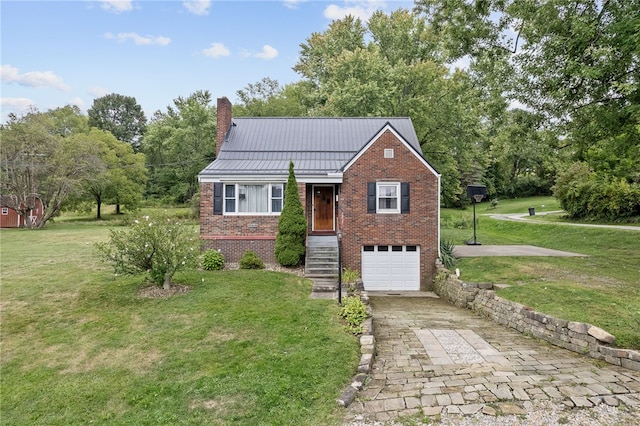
column 602, row 289
column 80, row 345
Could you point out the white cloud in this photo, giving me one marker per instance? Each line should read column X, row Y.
column 197, row 7
column 97, row 91
column 11, row 74
column 267, row 53
column 138, row 39
column 117, row 6
column 362, row 9
column 16, row 104
column 77, row 101
column 216, row 50
column 292, row 4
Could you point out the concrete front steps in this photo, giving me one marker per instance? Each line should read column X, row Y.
column 322, row 262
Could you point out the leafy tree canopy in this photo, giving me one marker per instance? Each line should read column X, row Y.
column 266, row 98
column 122, row 175
column 574, row 62
column 42, row 156
column 121, row 115
column 178, row 144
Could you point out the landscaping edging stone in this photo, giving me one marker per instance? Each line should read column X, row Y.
column 367, row 352
column 578, row 337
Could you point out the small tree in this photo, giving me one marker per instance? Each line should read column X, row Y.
column 160, row 246
column 292, row 226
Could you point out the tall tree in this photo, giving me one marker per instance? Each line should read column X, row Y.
column 122, row 175
column 37, row 162
column 342, row 35
column 178, row 144
column 574, row 61
column 524, row 156
column 266, row 98
column 121, row 115
column 403, row 37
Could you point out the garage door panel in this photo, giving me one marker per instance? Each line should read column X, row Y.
column 391, row 268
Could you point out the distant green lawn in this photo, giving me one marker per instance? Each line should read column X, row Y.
column 80, row 345
column 602, row 289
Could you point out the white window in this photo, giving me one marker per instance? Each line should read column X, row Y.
column 388, row 197
column 253, row 198
column 5, row 211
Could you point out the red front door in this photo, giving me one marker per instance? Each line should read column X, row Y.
column 323, row 210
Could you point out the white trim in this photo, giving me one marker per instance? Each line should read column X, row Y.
column 320, row 179
column 398, row 198
column 377, row 136
column 269, row 212
column 313, row 206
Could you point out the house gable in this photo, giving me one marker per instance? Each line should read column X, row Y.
column 389, row 128
column 387, row 160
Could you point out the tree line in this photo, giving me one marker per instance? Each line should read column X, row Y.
column 547, row 103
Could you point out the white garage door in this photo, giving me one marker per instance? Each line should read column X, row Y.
column 391, row 268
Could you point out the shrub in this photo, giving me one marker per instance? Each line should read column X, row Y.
column 159, row 246
column 194, row 205
column 349, row 275
column 585, row 195
column 572, row 189
column 292, row 226
column 446, row 254
column 250, row 260
column 212, row 260
column 354, row 313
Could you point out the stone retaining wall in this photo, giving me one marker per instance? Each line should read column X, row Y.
column 578, row 337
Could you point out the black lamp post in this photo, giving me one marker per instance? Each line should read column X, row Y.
column 339, row 267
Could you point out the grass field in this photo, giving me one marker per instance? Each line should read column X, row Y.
column 602, row 289
column 80, row 345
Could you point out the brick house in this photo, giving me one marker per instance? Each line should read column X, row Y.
column 363, row 178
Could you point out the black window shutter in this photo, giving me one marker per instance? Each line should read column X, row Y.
column 371, row 197
column 404, row 197
column 284, row 191
column 218, row 189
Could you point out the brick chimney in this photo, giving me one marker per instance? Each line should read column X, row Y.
column 223, row 122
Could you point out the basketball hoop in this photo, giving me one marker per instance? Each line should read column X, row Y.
column 476, row 193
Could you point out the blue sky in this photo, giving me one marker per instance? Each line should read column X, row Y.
column 56, row 53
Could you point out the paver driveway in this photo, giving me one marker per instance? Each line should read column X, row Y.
column 433, row 357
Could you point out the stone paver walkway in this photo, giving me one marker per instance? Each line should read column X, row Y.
column 433, row 358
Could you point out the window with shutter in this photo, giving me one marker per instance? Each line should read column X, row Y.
column 388, row 197
column 253, row 199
